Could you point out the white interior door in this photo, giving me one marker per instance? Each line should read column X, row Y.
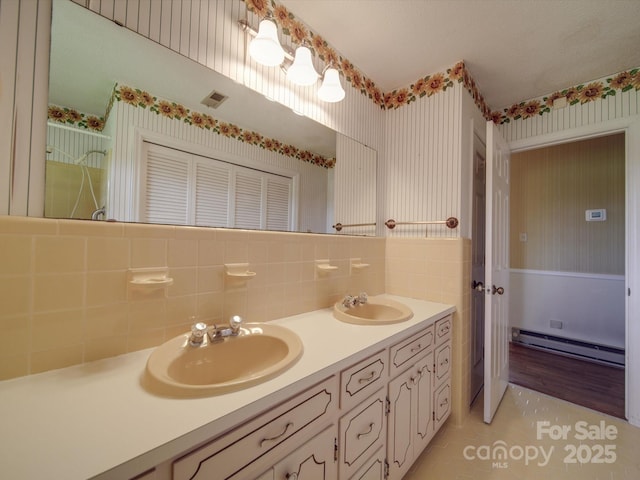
column 496, row 365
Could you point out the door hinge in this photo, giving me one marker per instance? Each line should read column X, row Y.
column 628, row 292
column 335, row 449
column 386, row 468
column 387, row 406
column 433, row 415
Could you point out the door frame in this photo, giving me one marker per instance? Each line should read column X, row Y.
column 630, row 126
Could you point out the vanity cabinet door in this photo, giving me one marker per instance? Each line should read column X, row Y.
column 423, row 390
column 410, row 419
column 401, row 424
column 362, row 431
column 442, row 405
column 315, row 460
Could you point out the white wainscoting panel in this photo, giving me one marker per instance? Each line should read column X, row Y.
column 591, row 307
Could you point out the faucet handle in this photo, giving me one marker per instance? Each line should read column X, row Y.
column 363, row 298
column 235, row 322
column 349, row 301
column 197, row 333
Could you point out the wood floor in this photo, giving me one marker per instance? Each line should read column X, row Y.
column 591, row 385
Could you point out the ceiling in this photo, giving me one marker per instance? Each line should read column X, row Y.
column 514, row 49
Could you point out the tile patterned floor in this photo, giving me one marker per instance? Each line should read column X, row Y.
column 458, row 453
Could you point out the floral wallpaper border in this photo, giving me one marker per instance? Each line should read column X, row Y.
column 75, row 118
column 172, row 110
column 425, row 86
column 583, row 93
column 438, row 82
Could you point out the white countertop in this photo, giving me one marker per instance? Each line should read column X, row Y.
column 96, row 419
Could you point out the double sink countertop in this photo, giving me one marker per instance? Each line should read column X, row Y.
column 96, row 420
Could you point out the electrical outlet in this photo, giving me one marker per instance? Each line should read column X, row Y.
column 555, row 324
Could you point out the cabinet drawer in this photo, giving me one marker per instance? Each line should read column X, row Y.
column 279, row 430
column 443, row 363
column 442, row 406
column 443, row 329
column 362, row 431
column 362, row 379
column 373, row 469
column 405, row 351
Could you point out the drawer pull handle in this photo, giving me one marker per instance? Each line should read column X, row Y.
column 284, row 431
column 292, row 476
column 444, row 402
column 444, row 330
column 367, row 379
column 364, row 434
column 416, row 348
column 444, row 362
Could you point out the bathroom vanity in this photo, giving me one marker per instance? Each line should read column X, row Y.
column 361, row 403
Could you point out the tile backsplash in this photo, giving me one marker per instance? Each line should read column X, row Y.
column 64, row 296
column 439, row 270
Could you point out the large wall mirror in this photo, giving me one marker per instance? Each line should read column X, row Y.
column 129, row 139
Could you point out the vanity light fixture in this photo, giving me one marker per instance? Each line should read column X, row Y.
column 331, row 90
column 302, row 72
column 265, row 48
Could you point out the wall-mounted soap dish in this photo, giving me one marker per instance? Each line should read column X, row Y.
column 148, row 279
column 323, row 268
column 356, row 265
column 239, row 270
column 238, row 274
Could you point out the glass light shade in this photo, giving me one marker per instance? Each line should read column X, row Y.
column 331, row 90
column 265, row 48
column 302, row 71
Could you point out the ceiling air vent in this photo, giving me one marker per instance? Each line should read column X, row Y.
column 214, row 99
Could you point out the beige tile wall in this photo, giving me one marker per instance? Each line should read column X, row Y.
column 63, row 284
column 439, row 270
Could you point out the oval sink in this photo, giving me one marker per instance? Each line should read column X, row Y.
column 377, row 311
column 259, row 353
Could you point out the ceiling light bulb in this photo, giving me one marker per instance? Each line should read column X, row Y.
column 302, row 71
column 331, row 90
column 265, row 48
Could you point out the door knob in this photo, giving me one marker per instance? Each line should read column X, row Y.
column 498, row 290
column 479, row 286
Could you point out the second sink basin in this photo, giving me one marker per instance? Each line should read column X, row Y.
column 377, row 311
column 258, row 353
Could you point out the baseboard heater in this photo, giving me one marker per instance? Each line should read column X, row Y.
column 575, row 348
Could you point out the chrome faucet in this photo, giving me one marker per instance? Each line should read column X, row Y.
column 213, row 332
column 350, row 301
column 232, row 330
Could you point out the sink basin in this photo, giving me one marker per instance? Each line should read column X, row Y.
column 260, row 352
column 377, row 311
